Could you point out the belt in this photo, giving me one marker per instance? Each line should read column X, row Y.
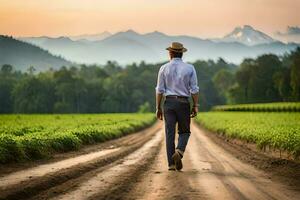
column 176, row 97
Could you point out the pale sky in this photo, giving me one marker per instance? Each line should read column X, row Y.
column 201, row 18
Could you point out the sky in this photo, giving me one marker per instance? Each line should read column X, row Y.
column 201, row 18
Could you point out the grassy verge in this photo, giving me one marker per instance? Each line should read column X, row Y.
column 261, row 107
column 28, row 137
column 274, row 130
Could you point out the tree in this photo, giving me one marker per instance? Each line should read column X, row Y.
column 33, row 95
column 243, row 76
column 223, row 80
column 255, row 80
column 282, row 81
column 6, row 69
column 261, row 85
column 295, row 74
column 7, row 82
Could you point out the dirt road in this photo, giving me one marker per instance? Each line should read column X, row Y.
column 134, row 167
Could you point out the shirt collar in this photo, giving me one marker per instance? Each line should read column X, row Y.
column 176, row 59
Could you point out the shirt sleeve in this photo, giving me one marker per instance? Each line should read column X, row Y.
column 160, row 87
column 194, row 82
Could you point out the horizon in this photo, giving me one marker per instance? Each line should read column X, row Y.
column 278, row 35
column 202, row 19
column 231, row 29
column 128, row 30
column 154, row 31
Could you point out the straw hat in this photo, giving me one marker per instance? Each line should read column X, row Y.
column 176, row 47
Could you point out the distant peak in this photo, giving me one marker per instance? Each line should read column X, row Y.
column 130, row 31
column 63, row 38
column 243, row 28
column 238, row 28
column 248, row 27
column 156, row 33
column 247, row 35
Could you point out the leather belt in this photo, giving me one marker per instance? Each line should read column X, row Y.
column 176, row 97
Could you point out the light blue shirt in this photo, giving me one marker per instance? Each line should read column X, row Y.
column 177, row 78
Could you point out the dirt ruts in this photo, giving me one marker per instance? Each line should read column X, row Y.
column 134, row 167
column 28, row 182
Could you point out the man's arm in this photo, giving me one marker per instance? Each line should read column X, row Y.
column 194, row 89
column 158, row 106
column 160, row 89
column 195, row 98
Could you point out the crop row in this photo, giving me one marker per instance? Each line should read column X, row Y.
column 261, row 107
column 274, row 130
column 27, row 137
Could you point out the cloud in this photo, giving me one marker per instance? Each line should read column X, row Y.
column 290, row 31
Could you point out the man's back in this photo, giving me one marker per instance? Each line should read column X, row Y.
column 177, row 78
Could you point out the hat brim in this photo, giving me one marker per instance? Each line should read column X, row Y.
column 177, row 50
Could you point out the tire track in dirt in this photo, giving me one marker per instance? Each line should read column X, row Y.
column 104, row 184
column 251, row 182
column 209, row 172
column 159, row 183
column 26, row 183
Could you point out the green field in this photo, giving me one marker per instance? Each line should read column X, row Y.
column 24, row 137
column 261, row 107
column 269, row 129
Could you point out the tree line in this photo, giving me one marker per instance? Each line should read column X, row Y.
column 131, row 88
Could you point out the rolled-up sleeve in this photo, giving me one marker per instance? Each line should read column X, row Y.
column 160, row 87
column 194, row 88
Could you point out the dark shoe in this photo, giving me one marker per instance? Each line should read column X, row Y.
column 172, row 168
column 177, row 160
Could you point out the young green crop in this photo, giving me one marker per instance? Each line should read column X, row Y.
column 36, row 136
column 276, row 130
column 261, row 107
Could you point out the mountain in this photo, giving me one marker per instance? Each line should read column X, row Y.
column 22, row 55
column 92, row 37
column 130, row 46
column 247, row 35
column 292, row 34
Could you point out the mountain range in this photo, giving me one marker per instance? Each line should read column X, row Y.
column 22, row 55
column 91, row 37
column 130, row 46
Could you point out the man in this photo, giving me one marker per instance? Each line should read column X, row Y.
column 177, row 81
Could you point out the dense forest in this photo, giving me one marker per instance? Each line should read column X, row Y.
column 113, row 88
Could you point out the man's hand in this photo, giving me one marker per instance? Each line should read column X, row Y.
column 194, row 111
column 159, row 114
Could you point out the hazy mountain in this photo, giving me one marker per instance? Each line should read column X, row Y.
column 92, row 37
column 35, row 40
column 292, row 34
column 247, row 35
column 22, row 55
column 130, row 46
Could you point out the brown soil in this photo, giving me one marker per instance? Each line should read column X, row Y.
column 134, row 167
column 24, row 180
column 285, row 168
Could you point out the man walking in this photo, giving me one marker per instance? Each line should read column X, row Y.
column 177, row 81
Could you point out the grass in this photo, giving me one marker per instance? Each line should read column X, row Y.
column 266, row 129
column 29, row 137
column 261, row 107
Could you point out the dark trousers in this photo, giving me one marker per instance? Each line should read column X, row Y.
column 176, row 111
